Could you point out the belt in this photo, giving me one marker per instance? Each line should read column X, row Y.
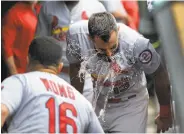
column 117, row 100
column 65, row 70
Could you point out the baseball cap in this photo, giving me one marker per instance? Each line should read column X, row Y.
column 46, row 50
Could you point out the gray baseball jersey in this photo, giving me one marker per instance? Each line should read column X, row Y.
column 135, row 55
column 41, row 102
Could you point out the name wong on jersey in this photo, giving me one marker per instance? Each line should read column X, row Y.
column 58, row 89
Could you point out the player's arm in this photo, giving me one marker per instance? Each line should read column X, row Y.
column 42, row 28
column 162, row 87
column 132, row 9
column 73, row 56
column 10, row 62
column 11, row 96
column 125, row 18
column 116, row 9
column 4, row 114
column 9, row 33
column 75, row 79
column 150, row 62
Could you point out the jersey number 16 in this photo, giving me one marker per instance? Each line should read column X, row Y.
column 63, row 119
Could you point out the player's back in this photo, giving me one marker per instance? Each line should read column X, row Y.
column 51, row 105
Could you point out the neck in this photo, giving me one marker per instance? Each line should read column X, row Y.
column 41, row 68
column 47, row 71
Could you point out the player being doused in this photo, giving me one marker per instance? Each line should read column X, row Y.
column 118, row 63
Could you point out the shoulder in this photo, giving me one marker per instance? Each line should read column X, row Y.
column 127, row 31
column 128, row 35
column 78, row 33
column 79, row 27
column 17, row 6
column 15, row 80
column 49, row 6
column 93, row 6
column 12, row 12
column 29, row 77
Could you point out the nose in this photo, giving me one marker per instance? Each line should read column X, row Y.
column 108, row 53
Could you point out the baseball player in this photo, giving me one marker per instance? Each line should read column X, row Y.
column 41, row 102
column 54, row 20
column 117, row 58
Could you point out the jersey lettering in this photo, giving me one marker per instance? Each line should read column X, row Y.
column 64, row 91
column 51, row 106
column 53, row 85
column 63, row 119
column 70, row 93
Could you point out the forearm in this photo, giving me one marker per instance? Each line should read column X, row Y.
column 76, row 81
column 2, row 119
column 118, row 15
column 162, row 86
column 4, row 114
column 11, row 65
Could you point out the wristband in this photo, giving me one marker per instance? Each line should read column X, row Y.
column 165, row 111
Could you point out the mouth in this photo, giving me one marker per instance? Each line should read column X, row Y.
column 104, row 57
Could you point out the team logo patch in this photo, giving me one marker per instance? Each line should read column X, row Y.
column 145, row 56
column 58, row 32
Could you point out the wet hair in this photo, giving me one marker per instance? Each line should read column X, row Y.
column 46, row 50
column 102, row 24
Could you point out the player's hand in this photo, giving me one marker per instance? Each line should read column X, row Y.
column 13, row 71
column 163, row 123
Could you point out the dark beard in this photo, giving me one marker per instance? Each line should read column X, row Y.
column 103, row 57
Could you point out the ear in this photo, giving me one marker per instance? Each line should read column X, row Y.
column 89, row 37
column 28, row 63
column 60, row 66
column 28, row 60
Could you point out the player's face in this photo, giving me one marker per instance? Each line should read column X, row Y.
column 107, row 48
